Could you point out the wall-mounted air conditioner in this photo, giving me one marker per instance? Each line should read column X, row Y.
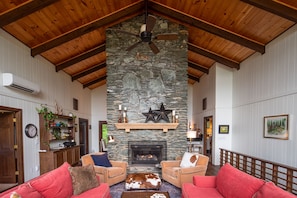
column 11, row 80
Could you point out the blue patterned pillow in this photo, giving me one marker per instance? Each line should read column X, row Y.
column 101, row 160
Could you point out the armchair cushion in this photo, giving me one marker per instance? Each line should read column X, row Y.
column 189, row 160
column 173, row 173
column 83, row 178
column 101, row 160
column 116, row 173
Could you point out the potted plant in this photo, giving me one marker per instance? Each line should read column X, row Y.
column 48, row 115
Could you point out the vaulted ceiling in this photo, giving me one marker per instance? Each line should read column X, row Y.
column 71, row 33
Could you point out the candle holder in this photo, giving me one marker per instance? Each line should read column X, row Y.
column 120, row 120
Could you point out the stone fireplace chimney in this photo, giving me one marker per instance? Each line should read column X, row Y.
column 140, row 80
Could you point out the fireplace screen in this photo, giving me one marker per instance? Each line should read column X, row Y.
column 147, row 152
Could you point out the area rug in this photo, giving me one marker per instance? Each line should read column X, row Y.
column 174, row 192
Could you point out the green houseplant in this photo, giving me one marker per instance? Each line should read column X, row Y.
column 48, row 115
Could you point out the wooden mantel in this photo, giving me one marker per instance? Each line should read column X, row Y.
column 163, row 126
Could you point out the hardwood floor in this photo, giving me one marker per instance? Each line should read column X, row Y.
column 4, row 187
column 212, row 169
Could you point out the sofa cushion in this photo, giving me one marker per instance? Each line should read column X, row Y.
column 102, row 191
column 232, row 182
column 189, row 160
column 204, row 181
column 49, row 186
column 25, row 190
column 101, row 160
column 189, row 190
column 269, row 189
column 83, row 178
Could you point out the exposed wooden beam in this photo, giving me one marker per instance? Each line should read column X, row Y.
column 198, row 67
column 72, row 61
column 94, row 81
column 275, row 8
column 193, row 77
column 108, row 19
column 216, row 57
column 23, row 10
column 88, row 71
column 190, row 20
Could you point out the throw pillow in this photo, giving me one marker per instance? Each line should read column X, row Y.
column 101, row 160
column 232, row 182
column 269, row 189
column 56, row 183
column 189, row 160
column 83, row 178
column 26, row 191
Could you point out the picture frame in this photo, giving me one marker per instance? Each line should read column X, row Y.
column 276, row 127
column 223, row 129
column 204, row 103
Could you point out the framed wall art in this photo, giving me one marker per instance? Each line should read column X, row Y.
column 224, row 129
column 276, row 127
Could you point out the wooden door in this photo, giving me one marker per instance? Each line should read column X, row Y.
column 83, row 136
column 102, row 129
column 7, row 152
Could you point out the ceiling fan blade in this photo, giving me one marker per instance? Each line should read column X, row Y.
column 133, row 46
column 154, row 48
column 125, row 32
column 150, row 22
column 168, row 36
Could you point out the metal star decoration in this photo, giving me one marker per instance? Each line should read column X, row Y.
column 150, row 116
column 162, row 113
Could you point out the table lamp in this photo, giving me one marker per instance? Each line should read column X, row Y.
column 191, row 135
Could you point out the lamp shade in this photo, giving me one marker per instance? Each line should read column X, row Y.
column 191, row 134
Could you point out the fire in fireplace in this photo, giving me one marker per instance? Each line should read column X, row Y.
column 146, row 152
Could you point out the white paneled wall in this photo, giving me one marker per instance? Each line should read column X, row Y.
column 55, row 87
column 266, row 85
column 99, row 113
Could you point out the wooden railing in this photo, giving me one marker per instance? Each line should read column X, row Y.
column 282, row 175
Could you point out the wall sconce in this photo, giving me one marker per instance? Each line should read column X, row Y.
column 191, row 135
column 110, row 138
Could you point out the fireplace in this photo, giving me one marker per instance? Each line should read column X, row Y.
column 146, row 152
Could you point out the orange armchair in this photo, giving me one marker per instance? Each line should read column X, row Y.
column 173, row 173
column 111, row 175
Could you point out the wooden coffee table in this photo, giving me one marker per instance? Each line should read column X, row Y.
column 146, row 194
column 145, row 181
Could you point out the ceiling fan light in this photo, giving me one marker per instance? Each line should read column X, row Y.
column 143, row 28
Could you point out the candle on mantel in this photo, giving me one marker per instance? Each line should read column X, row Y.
column 120, row 107
column 125, row 108
column 173, row 112
column 176, row 118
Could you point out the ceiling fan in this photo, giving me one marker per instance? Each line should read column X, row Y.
column 146, row 34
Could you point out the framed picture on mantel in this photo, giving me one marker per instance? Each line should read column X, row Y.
column 276, row 127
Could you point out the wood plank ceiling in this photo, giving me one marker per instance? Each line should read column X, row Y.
column 71, row 33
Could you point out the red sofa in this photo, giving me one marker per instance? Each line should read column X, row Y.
column 56, row 183
column 232, row 183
